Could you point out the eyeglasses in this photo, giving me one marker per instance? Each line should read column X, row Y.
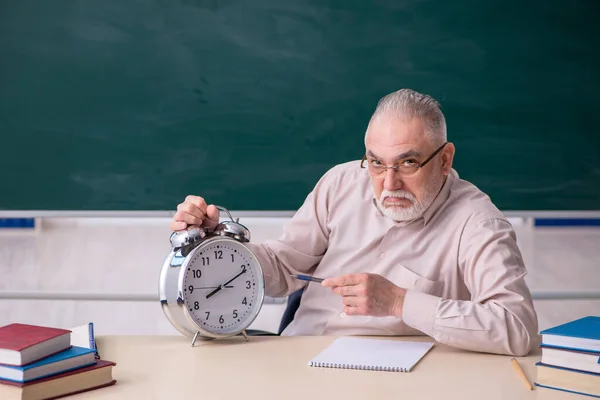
column 407, row 168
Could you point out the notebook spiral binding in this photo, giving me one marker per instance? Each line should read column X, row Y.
column 361, row 367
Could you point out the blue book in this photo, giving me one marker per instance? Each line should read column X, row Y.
column 571, row 358
column 580, row 334
column 67, row 360
column 567, row 380
column 564, row 390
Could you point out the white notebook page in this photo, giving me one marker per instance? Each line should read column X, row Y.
column 371, row 354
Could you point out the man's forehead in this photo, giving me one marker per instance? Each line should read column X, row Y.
column 392, row 138
column 396, row 154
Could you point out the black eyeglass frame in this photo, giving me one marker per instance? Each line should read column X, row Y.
column 419, row 166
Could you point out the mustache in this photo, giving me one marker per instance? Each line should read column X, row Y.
column 398, row 193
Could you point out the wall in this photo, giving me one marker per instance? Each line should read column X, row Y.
column 87, row 261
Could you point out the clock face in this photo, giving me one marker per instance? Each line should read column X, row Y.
column 223, row 286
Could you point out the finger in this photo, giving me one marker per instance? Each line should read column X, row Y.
column 351, row 301
column 192, row 209
column 354, row 311
column 343, row 280
column 178, row 225
column 212, row 216
column 197, row 201
column 353, row 290
column 190, row 219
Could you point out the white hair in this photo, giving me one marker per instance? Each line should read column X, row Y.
column 406, row 103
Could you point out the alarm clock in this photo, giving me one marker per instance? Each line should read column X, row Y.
column 211, row 284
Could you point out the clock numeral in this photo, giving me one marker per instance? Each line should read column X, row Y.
column 235, row 314
column 197, row 273
column 221, row 320
column 196, row 305
column 205, row 261
column 191, row 289
column 243, row 268
column 247, row 284
column 218, row 255
column 244, row 301
column 207, row 314
column 232, row 259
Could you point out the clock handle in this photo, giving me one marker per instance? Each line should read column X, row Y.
column 228, row 213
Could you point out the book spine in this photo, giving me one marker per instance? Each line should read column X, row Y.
column 93, row 340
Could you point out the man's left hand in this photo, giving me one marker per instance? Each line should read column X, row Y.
column 368, row 294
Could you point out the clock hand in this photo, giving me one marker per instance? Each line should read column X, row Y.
column 210, row 287
column 208, row 296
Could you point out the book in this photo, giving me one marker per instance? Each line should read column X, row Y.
column 83, row 336
column 371, row 354
column 21, row 344
column 571, row 358
column 68, row 383
column 567, row 380
column 72, row 358
column 580, row 334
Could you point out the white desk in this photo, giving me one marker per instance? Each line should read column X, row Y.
column 167, row 367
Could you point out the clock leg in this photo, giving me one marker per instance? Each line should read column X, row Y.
column 195, row 337
column 245, row 334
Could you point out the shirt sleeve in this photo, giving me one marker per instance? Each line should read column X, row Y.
column 500, row 317
column 303, row 243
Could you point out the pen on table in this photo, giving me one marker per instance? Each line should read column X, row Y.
column 307, row 278
column 520, row 372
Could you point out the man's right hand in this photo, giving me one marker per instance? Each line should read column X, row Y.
column 195, row 211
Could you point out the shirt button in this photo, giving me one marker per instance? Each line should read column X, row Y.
column 382, row 255
column 343, row 315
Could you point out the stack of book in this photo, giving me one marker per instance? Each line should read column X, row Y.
column 571, row 357
column 39, row 362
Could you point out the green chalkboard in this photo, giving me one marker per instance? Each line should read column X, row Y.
column 131, row 105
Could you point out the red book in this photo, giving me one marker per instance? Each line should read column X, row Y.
column 68, row 383
column 22, row 344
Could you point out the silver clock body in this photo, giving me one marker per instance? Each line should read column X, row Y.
column 211, row 285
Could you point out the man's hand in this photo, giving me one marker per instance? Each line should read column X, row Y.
column 368, row 294
column 195, row 211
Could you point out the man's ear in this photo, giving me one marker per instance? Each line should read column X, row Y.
column 447, row 157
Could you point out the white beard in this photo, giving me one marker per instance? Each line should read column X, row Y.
column 402, row 214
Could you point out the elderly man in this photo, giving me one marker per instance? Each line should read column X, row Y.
column 407, row 247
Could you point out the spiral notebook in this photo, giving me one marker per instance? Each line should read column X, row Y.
column 372, row 354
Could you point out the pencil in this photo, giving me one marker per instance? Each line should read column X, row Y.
column 520, row 372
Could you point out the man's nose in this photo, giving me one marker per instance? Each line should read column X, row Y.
column 392, row 180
